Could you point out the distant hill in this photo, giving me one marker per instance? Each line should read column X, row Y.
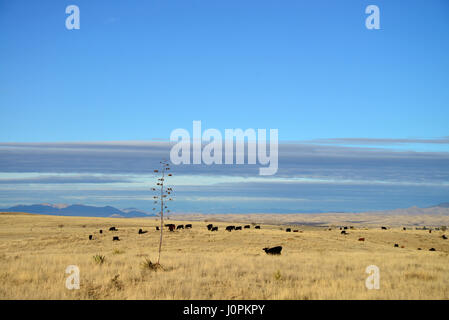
column 78, row 210
column 441, row 205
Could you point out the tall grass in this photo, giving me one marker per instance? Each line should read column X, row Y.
column 198, row 264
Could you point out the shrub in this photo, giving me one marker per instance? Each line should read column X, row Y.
column 148, row 265
column 99, row 259
column 118, row 251
column 116, row 283
column 277, row 275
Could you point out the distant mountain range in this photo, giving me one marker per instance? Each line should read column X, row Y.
column 441, row 205
column 78, row 210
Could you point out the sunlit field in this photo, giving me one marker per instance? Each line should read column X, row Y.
column 316, row 263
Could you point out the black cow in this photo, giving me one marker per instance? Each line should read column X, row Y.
column 345, row 228
column 343, row 232
column 209, row 226
column 432, row 249
column 404, row 228
column 142, row 232
column 188, row 226
column 396, row 245
column 288, row 230
column 157, row 228
column 295, row 230
column 101, row 231
column 247, row 226
column 171, row 227
column 214, row 229
column 230, row 228
column 430, row 231
column 444, row 237
column 383, row 228
column 181, row 226
column 274, row 250
column 238, row 228
column 90, row 237
column 257, row 227
column 115, row 238
column 112, row 229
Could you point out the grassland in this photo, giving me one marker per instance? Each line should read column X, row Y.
column 315, row 263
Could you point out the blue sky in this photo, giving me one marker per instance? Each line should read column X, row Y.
column 136, row 70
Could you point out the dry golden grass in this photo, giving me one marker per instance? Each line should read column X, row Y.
column 197, row 264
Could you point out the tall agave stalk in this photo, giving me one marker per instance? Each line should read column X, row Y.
column 163, row 196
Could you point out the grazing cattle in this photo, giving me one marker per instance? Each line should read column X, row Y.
column 214, row 229
column 188, row 226
column 345, row 228
column 157, row 228
column 101, row 231
column 402, row 247
column 247, row 226
column 384, row 228
column 404, row 228
column 90, row 237
column 238, row 228
column 341, row 228
column 230, row 228
column 361, row 239
column 115, row 238
column 274, row 250
column 444, row 237
column 181, row 226
column 288, row 230
column 432, row 249
column 343, row 232
column 295, row 230
column 257, row 227
column 112, row 229
column 209, row 226
column 142, row 232
column 419, row 249
column 171, row 227
column 330, row 229
column 396, row 245
column 430, row 231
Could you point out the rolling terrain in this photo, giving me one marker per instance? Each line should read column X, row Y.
column 316, row 263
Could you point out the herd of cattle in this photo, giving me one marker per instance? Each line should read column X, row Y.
column 396, row 245
column 274, row 250
column 211, row 227
column 171, row 227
